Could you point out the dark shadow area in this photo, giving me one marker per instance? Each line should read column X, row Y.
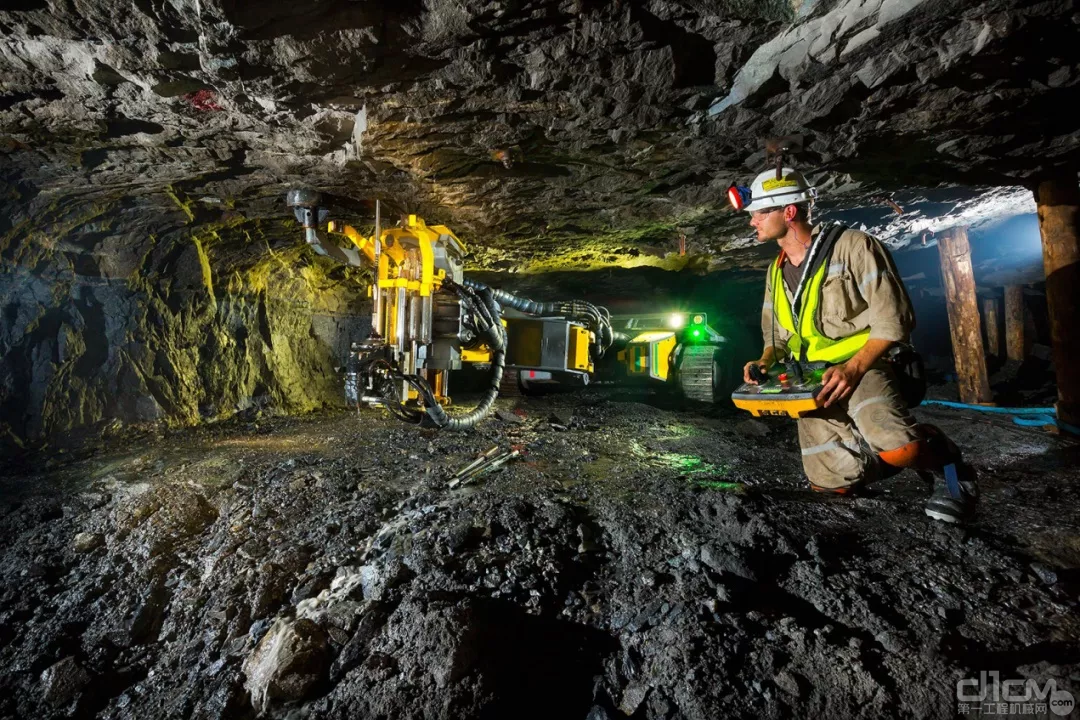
column 126, row 126
column 537, row 667
column 26, row 5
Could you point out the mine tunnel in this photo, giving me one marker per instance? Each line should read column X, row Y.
column 594, row 359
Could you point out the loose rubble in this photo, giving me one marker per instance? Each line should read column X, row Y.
column 644, row 563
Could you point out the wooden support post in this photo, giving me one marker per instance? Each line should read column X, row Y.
column 959, row 280
column 1014, row 322
column 992, row 325
column 1058, row 198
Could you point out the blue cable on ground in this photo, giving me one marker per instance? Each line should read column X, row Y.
column 1026, row 417
column 993, row 409
column 1035, row 420
column 1068, row 428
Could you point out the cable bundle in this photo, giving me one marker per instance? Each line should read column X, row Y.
column 595, row 317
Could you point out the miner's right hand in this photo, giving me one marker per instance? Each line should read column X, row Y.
column 747, row 377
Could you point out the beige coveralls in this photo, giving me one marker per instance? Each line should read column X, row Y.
column 861, row 289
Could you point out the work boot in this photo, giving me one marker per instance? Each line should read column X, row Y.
column 955, row 494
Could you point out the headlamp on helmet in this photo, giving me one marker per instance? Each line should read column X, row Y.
column 738, row 196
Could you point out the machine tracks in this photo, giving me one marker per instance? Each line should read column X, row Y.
column 703, row 374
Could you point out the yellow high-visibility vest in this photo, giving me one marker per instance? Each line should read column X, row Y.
column 808, row 338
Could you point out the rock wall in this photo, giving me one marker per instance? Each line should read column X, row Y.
column 136, row 311
column 564, row 127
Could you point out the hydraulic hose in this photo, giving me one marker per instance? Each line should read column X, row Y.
column 530, row 307
column 597, row 318
column 619, row 340
column 487, row 309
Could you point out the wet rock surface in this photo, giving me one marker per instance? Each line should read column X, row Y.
column 116, row 317
column 321, row 566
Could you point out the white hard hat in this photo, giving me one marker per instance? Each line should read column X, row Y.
column 768, row 191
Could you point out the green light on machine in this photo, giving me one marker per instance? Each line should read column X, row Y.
column 696, row 333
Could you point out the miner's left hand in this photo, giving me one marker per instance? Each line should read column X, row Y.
column 838, row 382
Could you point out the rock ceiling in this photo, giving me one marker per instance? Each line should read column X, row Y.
column 546, row 133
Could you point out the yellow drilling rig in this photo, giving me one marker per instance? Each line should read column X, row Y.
column 427, row 320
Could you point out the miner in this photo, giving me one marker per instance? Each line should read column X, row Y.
column 833, row 296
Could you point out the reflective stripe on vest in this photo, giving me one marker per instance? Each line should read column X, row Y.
column 818, row 348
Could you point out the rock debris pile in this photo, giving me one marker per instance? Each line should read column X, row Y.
column 322, row 566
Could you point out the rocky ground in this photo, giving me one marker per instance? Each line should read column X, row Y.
column 640, row 560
